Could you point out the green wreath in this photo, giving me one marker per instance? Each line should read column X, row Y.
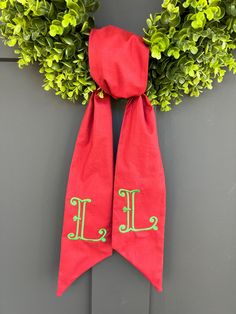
column 192, row 43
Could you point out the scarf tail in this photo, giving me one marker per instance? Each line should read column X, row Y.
column 139, row 192
column 86, row 234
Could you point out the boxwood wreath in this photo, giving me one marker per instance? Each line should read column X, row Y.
column 192, row 44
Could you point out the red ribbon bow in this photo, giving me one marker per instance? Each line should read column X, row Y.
column 121, row 209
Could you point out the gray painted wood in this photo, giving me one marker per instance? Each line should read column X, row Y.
column 37, row 134
column 198, row 147
column 6, row 52
column 130, row 15
column 117, row 287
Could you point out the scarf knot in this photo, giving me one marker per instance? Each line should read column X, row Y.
column 118, row 61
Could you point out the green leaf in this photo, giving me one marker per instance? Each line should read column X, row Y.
column 69, row 52
column 12, row 42
column 174, row 51
column 55, row 30
column 155, row 52
column 3, row 4
column 68, row 40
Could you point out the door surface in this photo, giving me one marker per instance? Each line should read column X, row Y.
column 37, row 136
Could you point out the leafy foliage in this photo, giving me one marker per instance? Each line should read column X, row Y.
column 54, row 33
column 191, row 44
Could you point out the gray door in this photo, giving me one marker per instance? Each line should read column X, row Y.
column 37, row 135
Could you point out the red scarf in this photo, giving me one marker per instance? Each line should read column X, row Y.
column 122, row 208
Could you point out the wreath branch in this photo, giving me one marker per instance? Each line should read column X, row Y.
column 192, row 45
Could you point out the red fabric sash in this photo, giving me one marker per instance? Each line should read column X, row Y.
column 122, row 208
